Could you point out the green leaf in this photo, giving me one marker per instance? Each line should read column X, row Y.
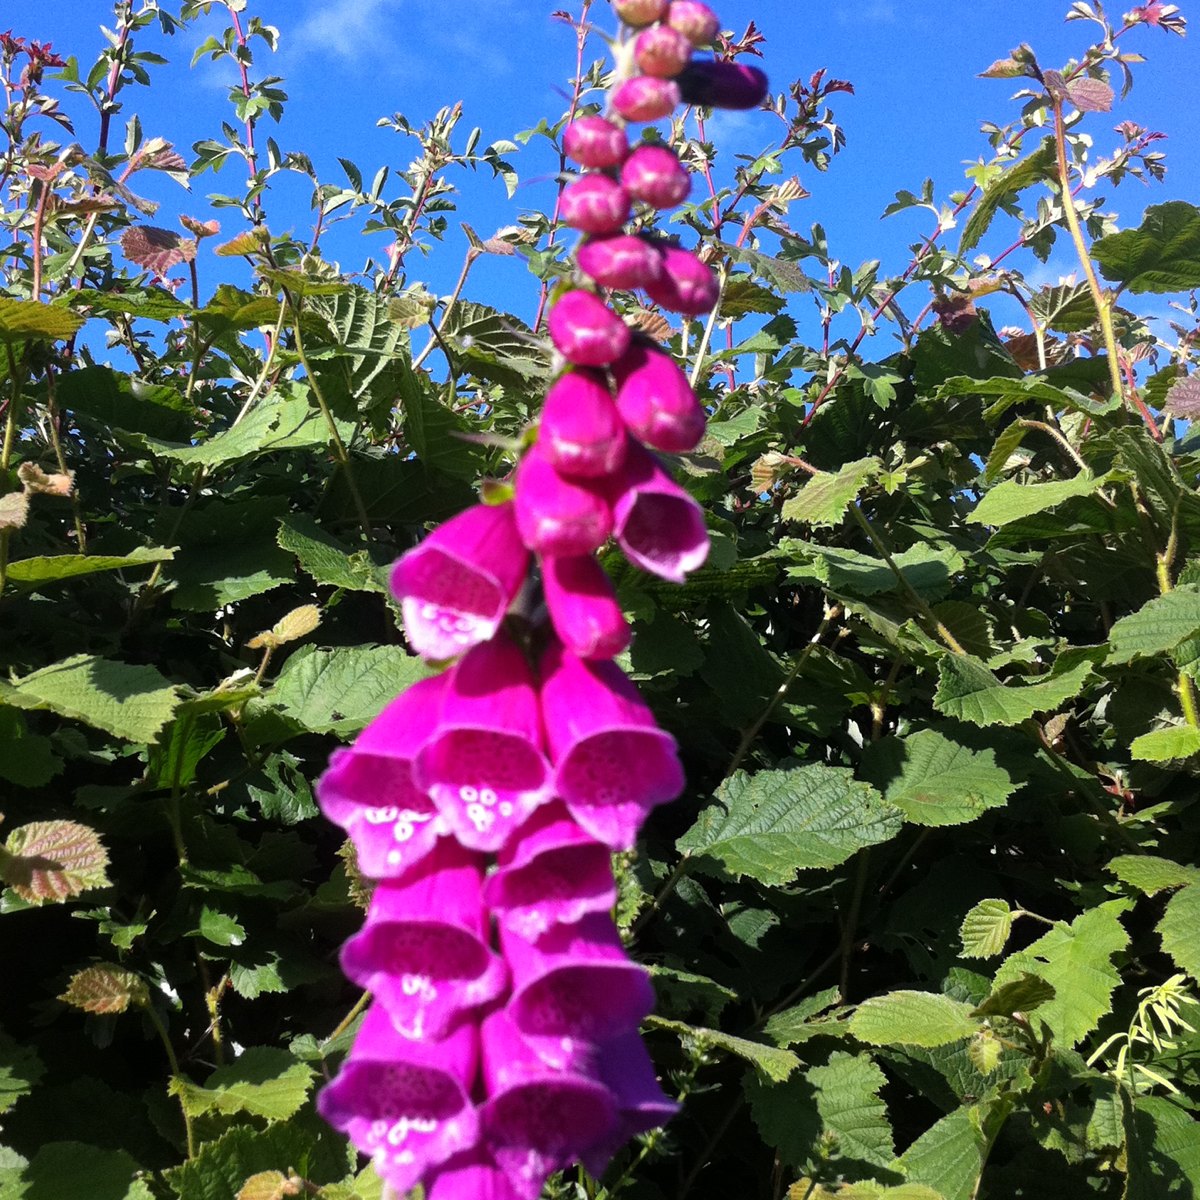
column 949, row 1157
column 770, row 825
column 53, row 860
column 35, row 573
column 496, row 346
column 1017, row 996
column 436, row 432
column 65, row 1170
column 1024, row 389
column 808, row 1189
column 274, row 423
column 1076, row 960
column 32, row 320
column 968, row 691
column 146, row 304
column 1010, row 501
column 935, row 781
column 912, row 1019
column 106, row 989
column 928, row 570
column 1163, row 745
column 1002, row 450
column 220, row 928
column 1150, row 874
column 104, row 396
column 1158, row 626
column 1161, row 255
column 782, row 275
column 20, row 1071
column 264, row 1081
column 1180, row 930
column 1033, row 168
column 771, row 1062
column 824, row 499
column 340, row 691
column 985, row 929
column 129, row 702
column 795, row 1025
column 26, row 759
column 326, row 559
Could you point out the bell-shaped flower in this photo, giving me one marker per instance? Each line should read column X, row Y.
column 612, row 762
column 423, row 951
column 550, row 873
column 406, row 1103
column 580, row 432
column 586, row 331
column 536, row 1119
column 657, row 524
column 369, row 788
column 645, row 98
column 583, row 606
column 595, row 203
column 484, row 768
column 656, row 400
column 455, row 587
column 621, row 260
column 573, row 987
column 686, row 285
column 471, row 1176
column 557, row 515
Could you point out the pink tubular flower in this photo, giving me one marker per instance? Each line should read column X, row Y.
column 471, row 1176
column 484, row 768
column 686, row 285
column 369, row 788
column 586, row 331
column 612, row 762
column 645, row 98
column 662, row 51
column 640, row 12
column 580, row 432
column 456, row 586
column 722, row 85
column 595, row 204
column 621, row 261
column 555, row 515
column 656, row 523
column 583, row 606
column 406, row 1103
column 656, row 401
column 595, row 142
column 422, row 952
column 536, row 1119
column 552, row 873
column 654, row 175
column 697, row 22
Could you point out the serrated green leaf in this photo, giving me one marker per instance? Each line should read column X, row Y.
column 53, row 860
column 912, row 1019
column 771, row 1062
column 1158, row 626
column 985, row 929
column 1150, row 873
column 1011, row 501
column 20, row 1071
column 326, row 559
column 220, row 928
column 65, row 1170
column 1004, row 447
column 146, row 304
column 928, row 570
column 985, row 1050
column 264, row 1081
column 32, row 320
column 824, row 499
column 274, row 423
column 1013, row 180
column 808, row 1189
column 1180, row 930
column 968, row 691
column 35, row 573
column 123, row 403
column 1016, row 996
column 1162, row 255
column 496, row 346
column 339, row 691
column 949, row 1157
column 1025, row 389
column 773, row 824
column 1163, row 745
column 796, row 1024
column 935, row 781
column 106, row 988
column 129, row 702
column 1076, row 960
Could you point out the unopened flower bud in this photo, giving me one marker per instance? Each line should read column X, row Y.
column 656, row 401
column 645, row 98
column 640, row 12
column 622, row 261
column 580, row 431
column 586, row 331
column 595, row 142
column 595, row 204
column 722, row 85
column 662, row 51
column 654, row 175
column 697, row 22
column 686, row 285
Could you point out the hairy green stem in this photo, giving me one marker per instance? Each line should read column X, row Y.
column 173, row 1063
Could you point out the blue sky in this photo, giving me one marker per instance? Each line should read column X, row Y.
column 916, row 111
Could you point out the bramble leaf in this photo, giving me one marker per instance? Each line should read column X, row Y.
column 263, row 1082
column 968, row 691
column 912, row 1019
column 53, row 860
column 1150, row 873
column 824, row 499
column 985, row 929
column 1180, row 929
column 106, row 988
column 1161, row 255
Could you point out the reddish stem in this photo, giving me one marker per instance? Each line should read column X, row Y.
column 251, row 152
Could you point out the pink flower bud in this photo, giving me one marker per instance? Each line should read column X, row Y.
column 654, row 175
column 697, row 22
column 554, row 515
column 595, row 142
column 581, row 433
column 595, row 204
column 686, row 286
column 640, row 12
column 586, row 331
column 621, row 261
column 656, row 401
column 662, row 51
column 722, row 85
column 645, row 98
column 583, row 606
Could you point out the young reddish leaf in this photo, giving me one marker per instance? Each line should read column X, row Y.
column 106, row 988
column 268, row 1185
column 157, row 250
column 1183, row 400
column 1090, row 95
column 37, row 480
column 14, row 508
column 249, row 242
column 201, row 229
column 53, row 860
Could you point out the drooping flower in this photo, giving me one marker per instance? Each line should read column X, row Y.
column 646, row 98
column 370, row 791
column 473, row 1175
column 586, row 331
column 654, row 175
column 423, row 951
column 656, row 401
column 612, row 763
column 483, row 767
column 595, row 142
column 716, row 84
column 456, row 586
column 557, row 515
column 696, row 21
column 583, row 606
column 686, row 285
column 580, row 432
column 596, row 204
column 621, row 260
column 662, row 51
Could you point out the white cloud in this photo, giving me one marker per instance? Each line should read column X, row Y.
column 353, row 30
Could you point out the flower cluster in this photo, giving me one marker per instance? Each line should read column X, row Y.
column 486, row 801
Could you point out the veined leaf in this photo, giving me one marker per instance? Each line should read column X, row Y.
column 326, row 559
column 968, row 691
column 1161, row 255
column 106, row 988
column 20, row 1071
column 1180, row 930
column 35, row 573
column 949, row 1157
column 771, row 1062
column 264, row 1081
column 1031, row 169
column 912, row 1019
column 985, row 929
column 1150, row 874
column 1162, row 745
column 1010, row 501
column 823, row 500
column 32, row 320
column 1158, row 626
column 63, row 1169
column 53, row 860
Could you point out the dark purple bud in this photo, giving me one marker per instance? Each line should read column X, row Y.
column 640, row 12
column 554, row 515
column 586, row 331
column 686, row 286
column 722, row 85
column 656, row 401
column 595, row 204
column 595, row 142
column 621, row 261
column 662, row 51
column 697, row 22
column 580, row 432
column 645, row 98
column 654, row 175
